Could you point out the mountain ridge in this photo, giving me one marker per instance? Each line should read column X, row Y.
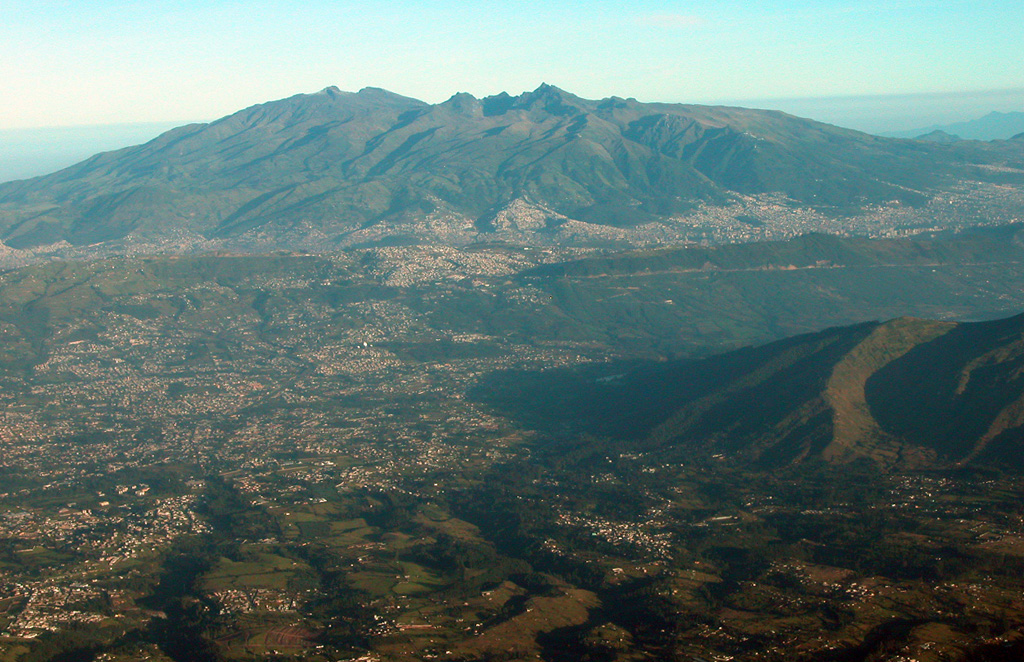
column 334, row 167
column 905, row 394
column 897, row 393
column 995, row 125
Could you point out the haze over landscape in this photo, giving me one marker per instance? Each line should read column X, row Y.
column 709, row 348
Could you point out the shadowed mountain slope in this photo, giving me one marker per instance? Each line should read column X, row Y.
column 908, row 393
column 961, row 394
column 321, row 167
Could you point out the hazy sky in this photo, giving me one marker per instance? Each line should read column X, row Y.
column 114, row 61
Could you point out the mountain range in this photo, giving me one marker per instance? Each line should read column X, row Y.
column 994, row 126
column 334, row 169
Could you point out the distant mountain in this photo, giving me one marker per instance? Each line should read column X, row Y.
column 939, row 136
column 338, row 168
column 994, row 126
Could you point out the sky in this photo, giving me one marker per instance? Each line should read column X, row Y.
column 72, row 63
column 26, row 153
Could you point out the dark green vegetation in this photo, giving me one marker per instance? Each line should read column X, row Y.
column 335, row 167
column 405, row 453
column 811, row 251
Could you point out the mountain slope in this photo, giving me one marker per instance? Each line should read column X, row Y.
column 910, row 392
column 318, row 169
column 961, row 394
